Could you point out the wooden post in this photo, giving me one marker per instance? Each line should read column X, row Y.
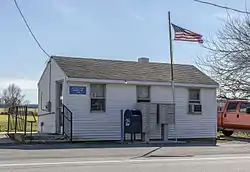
column 9, row 121
column 16, row 112
column 25, row 119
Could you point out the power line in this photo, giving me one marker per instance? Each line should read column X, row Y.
column 27, row 25
column 220, row 6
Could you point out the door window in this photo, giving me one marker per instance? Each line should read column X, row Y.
column 243, row 107
column 232, row 107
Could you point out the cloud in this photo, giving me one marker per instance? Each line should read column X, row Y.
column 139, row 18
column 26, row 84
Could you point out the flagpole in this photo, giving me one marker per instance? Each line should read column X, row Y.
column 172, row 70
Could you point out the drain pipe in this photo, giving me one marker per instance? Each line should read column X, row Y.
column 49, row 102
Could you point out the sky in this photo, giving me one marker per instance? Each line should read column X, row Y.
column 108, row 29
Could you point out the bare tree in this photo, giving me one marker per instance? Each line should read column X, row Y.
column 12, row 96
column 26, row 102
column 228, row 59
column 1, row 100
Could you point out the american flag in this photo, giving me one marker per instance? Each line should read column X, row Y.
column 182, row 34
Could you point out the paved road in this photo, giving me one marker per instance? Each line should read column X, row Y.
column 223, row 158
column 227, row 163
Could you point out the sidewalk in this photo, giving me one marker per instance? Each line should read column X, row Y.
column 190, row 151
column 64, row 151
column 4, row 140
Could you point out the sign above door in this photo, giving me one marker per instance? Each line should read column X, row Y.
column 80, row 90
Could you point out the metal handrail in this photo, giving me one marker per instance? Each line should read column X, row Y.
column 18, row 120
column 67, row 111
column 33, row 117
column 48, row 113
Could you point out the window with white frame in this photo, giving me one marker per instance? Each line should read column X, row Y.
column 194, row 101
column 97, row 96
column 143, row 93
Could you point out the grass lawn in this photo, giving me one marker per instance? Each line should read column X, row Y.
column 237, row 134
column 4, row 123
column 241, row 134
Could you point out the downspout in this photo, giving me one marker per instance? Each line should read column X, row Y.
column 65, row 89
column 49, row 102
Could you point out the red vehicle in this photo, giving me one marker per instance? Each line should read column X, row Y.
column 233, row 115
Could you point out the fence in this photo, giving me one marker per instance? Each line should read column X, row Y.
column 20, row 120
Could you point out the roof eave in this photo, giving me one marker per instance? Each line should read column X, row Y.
column 109, row 81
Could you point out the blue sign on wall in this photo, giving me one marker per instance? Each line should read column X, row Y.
column 77, row 90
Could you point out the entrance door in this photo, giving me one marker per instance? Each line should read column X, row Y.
column 59, row 103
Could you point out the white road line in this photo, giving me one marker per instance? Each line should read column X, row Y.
column 233, row 145
column 127, row 161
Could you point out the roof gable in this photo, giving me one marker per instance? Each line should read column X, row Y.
column 88, row 68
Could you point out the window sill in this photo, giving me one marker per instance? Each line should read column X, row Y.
column 97, row 111
column 197, row 113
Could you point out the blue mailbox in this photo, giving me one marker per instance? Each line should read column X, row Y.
column 133, row 121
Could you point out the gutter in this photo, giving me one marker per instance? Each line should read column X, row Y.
column 110, row 81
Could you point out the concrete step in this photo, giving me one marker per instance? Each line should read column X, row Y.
column 45, row 136
column 37, row 137
column 5, row 140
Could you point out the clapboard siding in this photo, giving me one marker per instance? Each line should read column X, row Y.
column 43, row 85
column 187, row 125
column 159, row 94
column 106, row 126
column 101, row 126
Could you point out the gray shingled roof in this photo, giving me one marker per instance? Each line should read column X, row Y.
column 130, row 70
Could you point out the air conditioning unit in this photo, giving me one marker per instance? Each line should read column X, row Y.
column 195, row 108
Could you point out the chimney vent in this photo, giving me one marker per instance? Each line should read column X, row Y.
column 143, row 60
